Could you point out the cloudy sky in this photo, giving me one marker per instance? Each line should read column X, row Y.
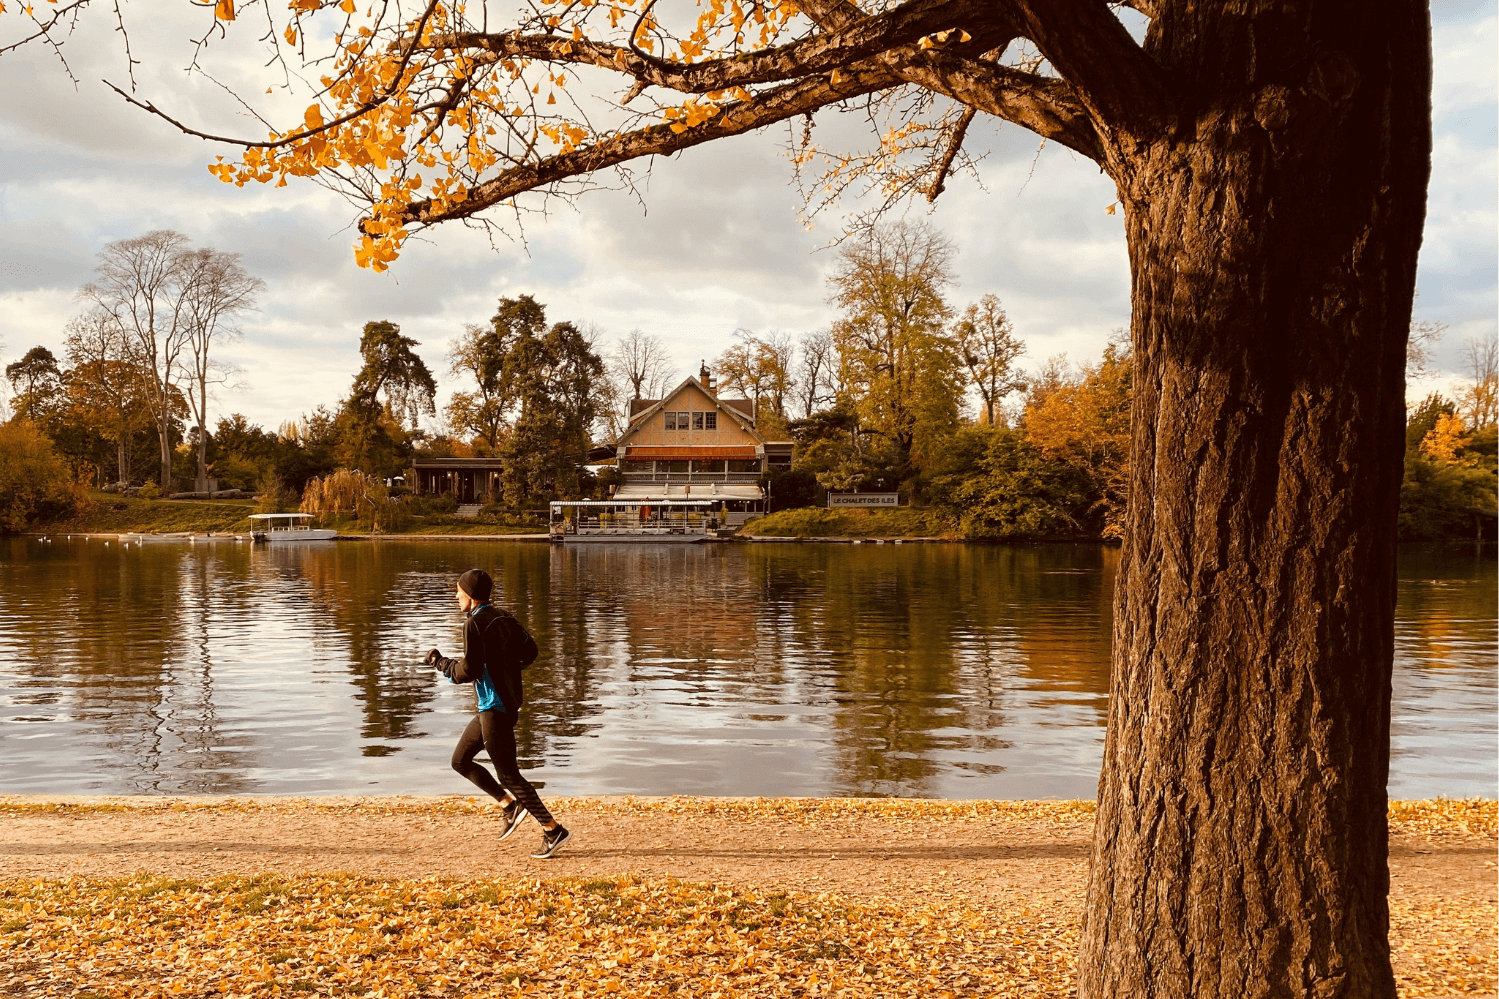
column 715, row 246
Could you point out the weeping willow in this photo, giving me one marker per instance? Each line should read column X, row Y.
column 349, row 491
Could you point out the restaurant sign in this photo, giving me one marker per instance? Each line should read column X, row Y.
column 863, row 499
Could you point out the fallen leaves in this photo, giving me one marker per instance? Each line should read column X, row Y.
column 321, row 935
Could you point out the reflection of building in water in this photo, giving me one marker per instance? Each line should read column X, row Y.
column 692, row 444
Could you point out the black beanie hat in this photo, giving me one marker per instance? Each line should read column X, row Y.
column 477, row 584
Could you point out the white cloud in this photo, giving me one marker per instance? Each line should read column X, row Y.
column 717, row 246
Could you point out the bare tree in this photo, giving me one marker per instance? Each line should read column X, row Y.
column 218, row 288
column 141, row 285
column 815, row 381
column 990, row 349
column 641, row 364
column 1480, row 403
column 760, row 367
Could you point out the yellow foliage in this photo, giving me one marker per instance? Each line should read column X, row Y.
column 1446, row 438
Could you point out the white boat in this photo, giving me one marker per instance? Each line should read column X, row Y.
column 649, row 521
column 281, row 527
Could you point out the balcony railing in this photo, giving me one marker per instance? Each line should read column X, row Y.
column 692, row 477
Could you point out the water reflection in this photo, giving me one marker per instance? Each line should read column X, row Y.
column 735, row 669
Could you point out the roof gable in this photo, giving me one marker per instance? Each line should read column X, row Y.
column 701, row 397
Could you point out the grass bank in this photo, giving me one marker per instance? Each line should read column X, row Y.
column 815, row 522
column 106, row 513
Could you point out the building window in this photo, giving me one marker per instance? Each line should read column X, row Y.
column 671, row 421
column 710, row 421
column 745, row 466
column 707, row 466
column 637, row 466
column 697, row 421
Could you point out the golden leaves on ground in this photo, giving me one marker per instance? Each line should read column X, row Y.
column 1435, row 817
column 1446, row 817
column 1433, row 947
column 322, row 935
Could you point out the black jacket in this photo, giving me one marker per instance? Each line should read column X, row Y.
column 496, row 644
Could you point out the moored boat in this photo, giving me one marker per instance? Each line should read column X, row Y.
column 653, row 521
column 282, row 527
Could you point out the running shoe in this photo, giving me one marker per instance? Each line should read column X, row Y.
column 513, row 814
column 551, row 842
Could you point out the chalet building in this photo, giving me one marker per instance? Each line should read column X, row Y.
column 695, row 445
column 469, row 480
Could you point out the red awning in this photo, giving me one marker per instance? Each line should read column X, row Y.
column 683, row 452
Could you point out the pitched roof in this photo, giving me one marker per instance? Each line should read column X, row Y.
column 741, row 411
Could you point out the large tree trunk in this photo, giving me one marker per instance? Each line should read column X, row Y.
column 1240, row 847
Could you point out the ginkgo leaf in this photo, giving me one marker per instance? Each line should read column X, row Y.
column 347, row 6
column 225, row 10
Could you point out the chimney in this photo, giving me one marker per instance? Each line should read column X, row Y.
column 706, row 379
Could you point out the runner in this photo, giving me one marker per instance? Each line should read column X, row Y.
column 496, row 647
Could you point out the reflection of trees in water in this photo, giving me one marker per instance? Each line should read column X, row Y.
column 366, row 597
column 1445, row 605
column 126, row 640
column 916, row 649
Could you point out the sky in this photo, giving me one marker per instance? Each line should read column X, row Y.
column 713, row 244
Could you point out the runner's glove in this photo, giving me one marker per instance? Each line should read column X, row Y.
column 433, row 658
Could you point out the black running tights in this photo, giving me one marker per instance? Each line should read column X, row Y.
column 495, row 731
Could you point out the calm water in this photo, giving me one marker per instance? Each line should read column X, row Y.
column 941, row 670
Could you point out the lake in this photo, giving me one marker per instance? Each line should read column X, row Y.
column 960, row 671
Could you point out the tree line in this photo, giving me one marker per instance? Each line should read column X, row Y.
column 904, row 391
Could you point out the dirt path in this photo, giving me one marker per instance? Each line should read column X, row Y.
column 1445, row 909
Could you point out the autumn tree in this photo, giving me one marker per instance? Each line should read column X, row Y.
column 1271, row 159
column 480, row 354
column 986, row 339
column 105, row 389
column 1083, row 422
column 892, row 332
column 36, row 381
column 555, row 374
column 371, row 431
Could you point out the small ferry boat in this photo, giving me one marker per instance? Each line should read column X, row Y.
column 654, row 521
column 280, row 527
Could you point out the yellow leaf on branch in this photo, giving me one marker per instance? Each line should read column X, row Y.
column 224, row 11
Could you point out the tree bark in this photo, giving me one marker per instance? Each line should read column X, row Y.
column 1241, row 845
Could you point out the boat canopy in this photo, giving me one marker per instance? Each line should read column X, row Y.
column 274, row 516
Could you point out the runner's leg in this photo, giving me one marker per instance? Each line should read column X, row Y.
column 499, row 737
column 463, row 759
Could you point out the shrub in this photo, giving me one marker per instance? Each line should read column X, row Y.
column 351, row 491
column 34, row 480
column 149, row 491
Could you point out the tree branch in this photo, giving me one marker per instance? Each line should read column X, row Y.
column 939, row 182
column 812, row 56
column 784, row 102
column 1121, row 86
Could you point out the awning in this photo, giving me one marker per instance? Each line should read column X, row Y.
column 700, row 491
column 686, row 453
